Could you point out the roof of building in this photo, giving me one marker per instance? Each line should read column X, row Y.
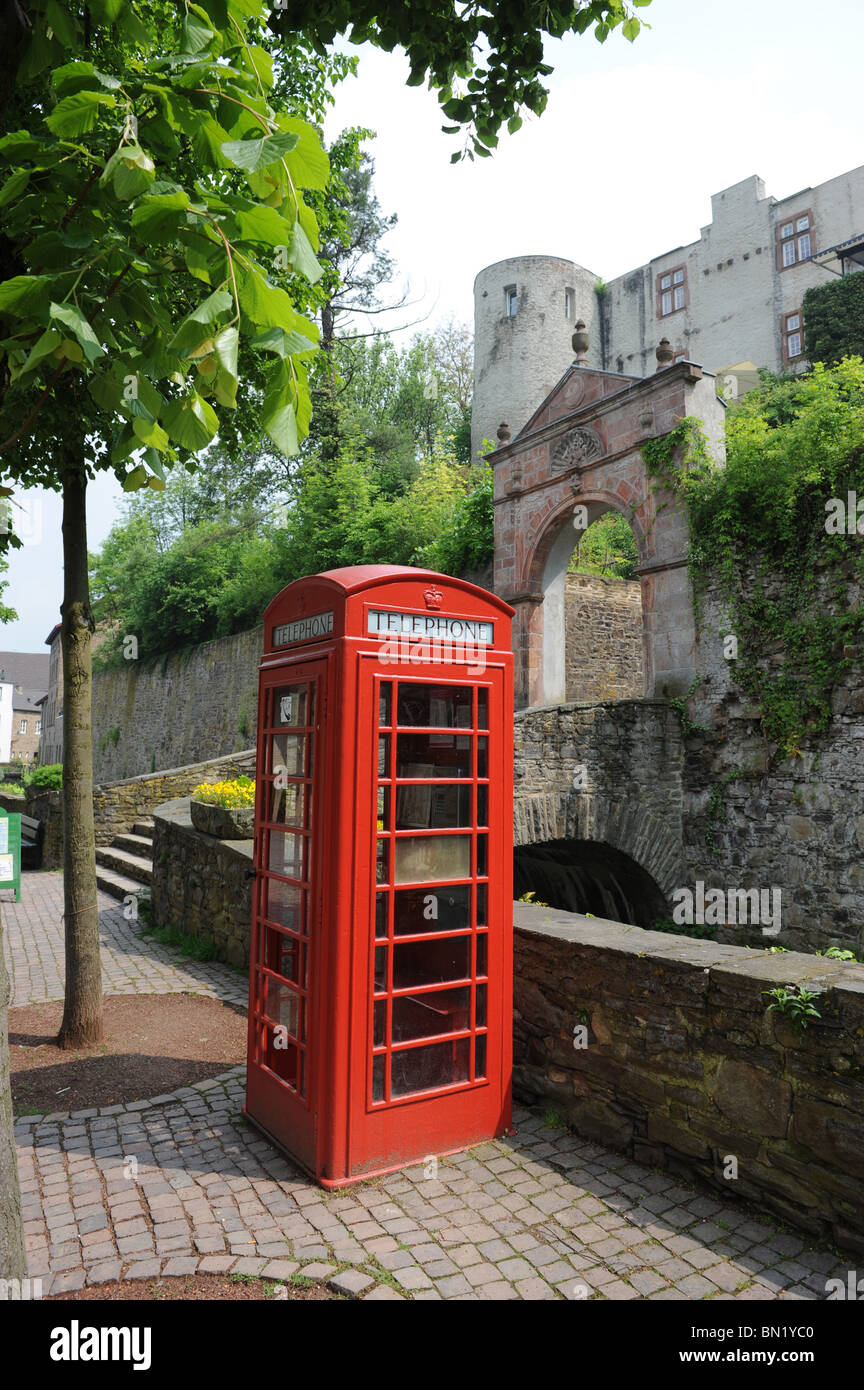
column 26, row 699
column 52, row 634
column 27, row 669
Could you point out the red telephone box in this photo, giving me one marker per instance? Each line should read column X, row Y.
column 380, row 995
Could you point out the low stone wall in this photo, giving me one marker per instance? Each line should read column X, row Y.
column 684, row 1068
column 117, row 805
column 201, row 885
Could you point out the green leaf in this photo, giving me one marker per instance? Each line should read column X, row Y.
column 76, row 114
column 150, row 432
column 514, row 124
column 284, row 344
column 136, row 479
column 261, row 224
column 302, row 257
column 23, row 294
column 225, row 348
column 265, row 305
column 196, row 34
column 43, row 346
column 132, row 171
column 260, row 63
column 157, row 216
column 280, row 424
column 13, row 186
column 191, row 422
column 73, row 318
column 630, row 28
column 193, row 328
column 307, row 162
column 58, row 19
column 18, row 145
column 253, row 155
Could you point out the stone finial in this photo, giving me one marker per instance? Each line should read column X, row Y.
column 665, row 353
column 503, row 433
column 580, row 341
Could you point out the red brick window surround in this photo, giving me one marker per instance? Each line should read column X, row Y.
column 795, row 240
column 671, row 291
column 792, row 328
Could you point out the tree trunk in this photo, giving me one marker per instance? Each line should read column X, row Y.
column 82, row 1013
column 12, row 1257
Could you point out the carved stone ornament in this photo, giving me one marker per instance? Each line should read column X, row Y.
column 579, row 447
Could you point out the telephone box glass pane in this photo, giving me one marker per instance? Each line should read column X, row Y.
column 286, row 854
column 483, row 708
column 482, row 955
column 418, row 910
column 378, row 1067
column 282, row 1060
column 481, row 905
column 283, row 903
column 385, row 697
column 480, row 1055
column 289, row 755
column 281, row 1004
column 428, row 1015
column 381, row 900
column 292, row 705
column 432, row 858
column 433, row 808
column 283, row 955
column 288, row 804
column 431, row 962
column 380, row 1023
column 433, row 755
column 482, row 757
column 480, row 1007
column 423, row 1068
column 382, row 862
column 384, row 755
column 482, row 856
column 434, row 706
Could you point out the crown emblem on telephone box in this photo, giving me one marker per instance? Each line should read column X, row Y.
column 433, row 596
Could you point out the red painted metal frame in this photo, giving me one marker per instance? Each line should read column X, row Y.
column 323, row 1110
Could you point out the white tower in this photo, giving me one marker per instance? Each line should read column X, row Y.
column 525, row 311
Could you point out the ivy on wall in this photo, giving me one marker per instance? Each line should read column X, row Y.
column 776, row 531
column 834, row 319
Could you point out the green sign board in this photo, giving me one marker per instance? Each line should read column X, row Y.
column 10, row 852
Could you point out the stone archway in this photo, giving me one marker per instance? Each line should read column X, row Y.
column 583, row 447
column 625, row 825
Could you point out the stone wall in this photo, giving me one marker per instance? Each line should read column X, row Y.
column 684, row 1068
column 179, row 709
column 795, row 824
column 117, row 805
column 201, row 885
column 603, row 635
column 627, row 758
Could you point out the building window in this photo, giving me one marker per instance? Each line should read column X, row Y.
column 795, row 240
column 22, row 728
column 671, row 291
column 511, row 301
column 38, row 729
column 569, row 298
column 793, row 336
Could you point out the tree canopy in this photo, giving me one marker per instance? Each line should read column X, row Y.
column 485, row 59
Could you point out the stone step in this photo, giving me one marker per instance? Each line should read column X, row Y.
column 132, row 865
column 135, row 844
column 143, row 827
column 117, row 884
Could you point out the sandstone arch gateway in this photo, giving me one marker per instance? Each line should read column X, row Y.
column 583, row 448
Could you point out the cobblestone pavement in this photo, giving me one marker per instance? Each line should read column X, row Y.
column 180, row 1184
column 131, row 964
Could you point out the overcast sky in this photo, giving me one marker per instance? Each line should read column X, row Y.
column 620, row 168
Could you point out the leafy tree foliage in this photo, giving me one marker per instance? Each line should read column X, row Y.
column 607, row 547
column 834, row 320
column 485, row 60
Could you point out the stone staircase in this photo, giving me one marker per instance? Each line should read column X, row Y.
column 126, row 865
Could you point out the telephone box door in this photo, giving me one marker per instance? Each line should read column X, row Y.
column 432, row 1058
column 284, row 963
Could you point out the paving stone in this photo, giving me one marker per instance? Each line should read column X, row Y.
column 143, row 1269
column 351, row 1282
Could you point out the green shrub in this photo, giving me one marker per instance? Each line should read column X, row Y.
column 50, row 776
